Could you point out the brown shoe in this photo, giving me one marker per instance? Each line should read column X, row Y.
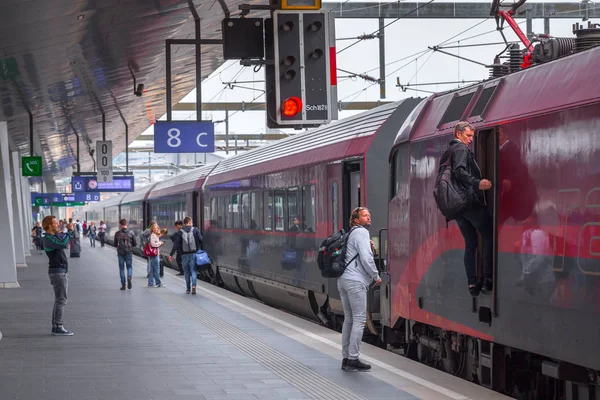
column 193, row 290
column 123, row 287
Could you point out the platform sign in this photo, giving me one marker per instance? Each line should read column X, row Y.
column 104, row 152
column 31, row 166
column 68, row 204
column 184, row 137
column 56, row 197
column 90, row 184
column 79, row 197
column 9, row 69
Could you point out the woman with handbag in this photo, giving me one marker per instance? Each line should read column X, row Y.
column 153, row 253
column 102, row 233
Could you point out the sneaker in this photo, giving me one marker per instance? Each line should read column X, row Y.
column 488, row 285
column 357, row 365
column 151, row 285
column 193, row 290
column 474, row 289
column 61, row 331
column 161, row 285
column 128, row 283
column 122, row 287
column 180, row 274
column 344, row 364
column 187, row 292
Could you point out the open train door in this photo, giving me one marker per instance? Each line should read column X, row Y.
column 487, row 149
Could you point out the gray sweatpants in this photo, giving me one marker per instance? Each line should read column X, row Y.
column 354, row 301
column 60, row 283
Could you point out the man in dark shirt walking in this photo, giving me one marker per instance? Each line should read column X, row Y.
column 55, row 242
column 125, row 242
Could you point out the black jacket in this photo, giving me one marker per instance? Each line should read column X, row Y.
column 54, row 246
column 465, row 169
column 130, row 236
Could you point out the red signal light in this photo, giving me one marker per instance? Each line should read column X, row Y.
column 291, row 106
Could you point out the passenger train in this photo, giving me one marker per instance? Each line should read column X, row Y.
column 264, row 213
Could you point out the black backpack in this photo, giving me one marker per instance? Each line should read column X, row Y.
column 451, row 198
column 124, row 243
column 332, row 255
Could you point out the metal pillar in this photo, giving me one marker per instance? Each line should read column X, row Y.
column 17, row 211
column 8, row 266
column 547, row 25
column 226, row 131
column 381, row 58
column 529, row 18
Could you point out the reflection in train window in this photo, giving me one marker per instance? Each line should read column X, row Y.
column 235, row 210
column 308, row 207
column 228, row 213
column 279, row 210
column 245, row 210
column 293, row 202
column 268, row 203
column 214, row 212
column 221, row 216
column 255, row 216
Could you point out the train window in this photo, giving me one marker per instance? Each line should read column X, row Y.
column 293, row 202
column 456, row 108
column 268, row 203
column 483, row 100
column 214, row 211
column 235, row 210
column 308, row 207
column 334, row 205
column 279, row 203
column 221, row 216
column 245, row 210
column 228, row 213
column 400, row 170
column 255, row 213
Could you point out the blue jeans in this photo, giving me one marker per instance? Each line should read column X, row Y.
column 189, row 269
column 354, row 302
column 154, row 271
column 92, row 240
column 125, row 259
column 477, row 219
column 60, row 284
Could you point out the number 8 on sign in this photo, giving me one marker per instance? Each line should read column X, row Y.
column 173, row 134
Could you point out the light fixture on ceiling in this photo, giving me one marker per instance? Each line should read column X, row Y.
column 138, row 90
column 80, row 17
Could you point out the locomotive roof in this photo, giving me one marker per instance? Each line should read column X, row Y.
column 138, row 195
column 185, row 182
column 547, row 87
column 276, row 156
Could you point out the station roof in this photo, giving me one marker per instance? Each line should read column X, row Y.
column 67, row 61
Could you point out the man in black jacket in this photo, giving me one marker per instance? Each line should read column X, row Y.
column 175, row 238
column 55, row 242
column 476, row 217
column 125, row 241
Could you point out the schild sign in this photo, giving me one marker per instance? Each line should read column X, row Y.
column 104, row 152
column 184, row 137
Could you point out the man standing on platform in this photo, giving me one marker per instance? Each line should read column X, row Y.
column 175, row 238
column 55, row 242
column 125, row 242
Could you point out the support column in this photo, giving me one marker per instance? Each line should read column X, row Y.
column 20, row 208
column 8, row 266
column 17, row 210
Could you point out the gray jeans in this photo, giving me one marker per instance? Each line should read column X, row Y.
column 60, row 283
column 354, row 301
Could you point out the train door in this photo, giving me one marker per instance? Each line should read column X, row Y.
column 486, row 153
column 352, row 196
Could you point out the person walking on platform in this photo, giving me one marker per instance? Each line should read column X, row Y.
column 190, row 241
column 36, row 234
column 154, row 276
column 92, row 233
column 55, row 242
column 75, row 249
column 476, row 217
column 353, row 286
column 125, row 242
column 175, row 239
column 102, row 233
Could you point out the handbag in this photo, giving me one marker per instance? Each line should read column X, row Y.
column 202, row 258
column 150, row 251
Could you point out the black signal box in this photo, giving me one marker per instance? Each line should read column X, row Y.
column 243, row 38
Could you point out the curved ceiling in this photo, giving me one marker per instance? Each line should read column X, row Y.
column 68, row 61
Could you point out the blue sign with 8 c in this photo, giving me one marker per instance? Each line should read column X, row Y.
column 184, row 137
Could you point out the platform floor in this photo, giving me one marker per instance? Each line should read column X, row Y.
column 159, row 343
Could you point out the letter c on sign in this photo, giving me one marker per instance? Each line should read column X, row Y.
column 198, row 139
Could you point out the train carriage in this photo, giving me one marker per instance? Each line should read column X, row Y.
column 538, row 141
column 271, row 208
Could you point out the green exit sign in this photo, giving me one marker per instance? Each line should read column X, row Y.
column 9, row 69
column 68, row 204
column 38, row 201
column 32, row 166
